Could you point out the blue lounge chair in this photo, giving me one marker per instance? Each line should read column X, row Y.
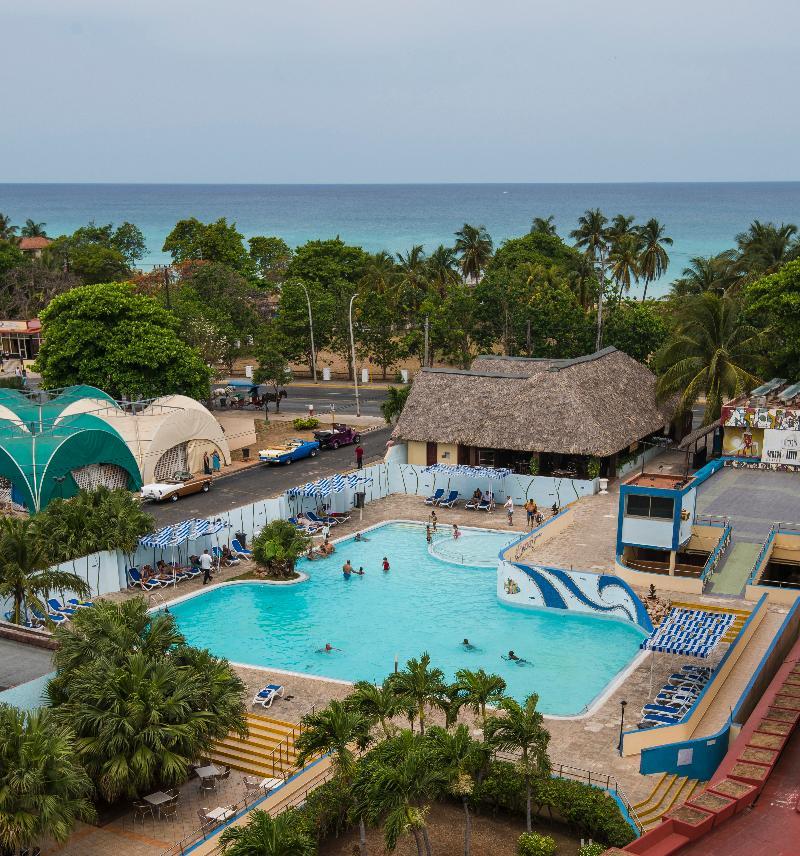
column 9, row 616
column 450, row 501
column 136, row 580
column 53, row 617
column 666, row 709
column 56, row 606
column 266, row 696
column 239, row 550
column 661, row 719
column 433, row 500
column 309, row 530
column 80, row 604
column 315, row 518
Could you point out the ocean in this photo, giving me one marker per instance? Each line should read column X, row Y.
column 701, row 218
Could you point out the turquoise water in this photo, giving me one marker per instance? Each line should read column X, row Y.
column 702, row 218
column 420, row 604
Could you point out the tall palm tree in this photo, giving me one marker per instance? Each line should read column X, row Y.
column 442, row 266
column 32, row 229
column 396, row 397
column 44, row 790
column 591, row 235
column 419, row 685
column 624, row 261
column 582, row 278
column 714, row 352
column 764, row 247
column 412, row 278
column 544, row 225
column 620, row 227
column 381, row 272
column 520, row 728
column 711, row 273
column 7, row 231
column 377, row 703
column 461, row 759
column 474, row 245
column 653, row 259
column 264, row 835
column 26, row 578
column 340, row 731
column 479, row 689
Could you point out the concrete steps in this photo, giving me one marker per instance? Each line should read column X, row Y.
column 268, row 751
column 738, row 622
column 670, row 790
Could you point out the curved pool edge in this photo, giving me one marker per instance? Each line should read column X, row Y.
column 214, row 587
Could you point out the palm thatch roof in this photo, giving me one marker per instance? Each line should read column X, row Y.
column 593, row 405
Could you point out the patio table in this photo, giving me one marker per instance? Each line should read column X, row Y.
column 269, row 784
column 208, row 772
column 158, row 799
column 220, row 813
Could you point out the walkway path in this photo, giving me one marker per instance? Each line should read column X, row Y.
column 731, row 576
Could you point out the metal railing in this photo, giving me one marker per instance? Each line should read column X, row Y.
column 717, row 553
column 711, row 520
column 752, row 579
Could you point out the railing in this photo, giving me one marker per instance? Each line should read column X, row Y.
column 282, row 752
column 711, row 520
column 592, row 778
column 752, row 579
column 716, row 555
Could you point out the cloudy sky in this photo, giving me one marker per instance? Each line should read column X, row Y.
column 357, row 91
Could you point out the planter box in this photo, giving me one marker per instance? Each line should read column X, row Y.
column 791, row 689
column 753, row 774
column 787, row 702
column 770, row 726
column 721, row 807
column 691, row 822
column 775, row 742
column 743, row 793
column 754, row 755
column 780, row 714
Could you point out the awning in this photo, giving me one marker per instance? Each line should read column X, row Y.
column 471, row 472
column 164, row 537
column 172, row 536
column 698, row 434
column 689, row 632
column 333, row 484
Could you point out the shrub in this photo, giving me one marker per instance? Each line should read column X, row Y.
column 305, row 424
column 503, row 787
column 278, row 546
column 593, row 468
column 533, row 844
column 12, row 382
column 591, row 849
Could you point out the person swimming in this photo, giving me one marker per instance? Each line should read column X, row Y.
column 327, row 649
column 385, row 564
column 428, row 536
column 360, row 571
column 513, row 658
column 347, row 569
column 360, row 537
column 468, row 646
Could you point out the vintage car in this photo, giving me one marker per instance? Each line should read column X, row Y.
column 181, row 484
column 339, row 435
column 291, row 450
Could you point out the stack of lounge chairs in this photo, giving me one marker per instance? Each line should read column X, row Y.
column 439, row 499
column 57, row 613
column 677, row 697
column 135, row 579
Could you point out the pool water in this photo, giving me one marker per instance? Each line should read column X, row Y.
column 421, row 604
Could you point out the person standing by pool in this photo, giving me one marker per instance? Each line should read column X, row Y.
column 456, row 531
column 434, row 520
column 428, row 536
column 509, row 507
column 326, row 531
column 205, row 564
column 347, row 569
column 385, row 564
column 359, row 456
column 531, row 509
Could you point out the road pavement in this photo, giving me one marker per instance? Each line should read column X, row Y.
column 264, row 481
column 323, row 396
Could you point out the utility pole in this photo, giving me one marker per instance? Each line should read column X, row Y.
column 166, row 287
column 311, row 328
column 353, row 353
column 425, row 354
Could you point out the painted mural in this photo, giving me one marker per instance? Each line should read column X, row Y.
column 743, row 442
column 782, row 418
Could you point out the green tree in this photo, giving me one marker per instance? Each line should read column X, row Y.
column 520, row 728
column 7, row 230
column 32, row 229
column 292, row 322
column 624, row 263
column 26, row 578
column 129, row 240
column 638, row 329
column 773, row 302
column 272, row 256
column 716, row 274
column 653, row 258
column 113, row 338
column 442, row 267
column 283, row 835
column 273, row 365
column 396, row 397
column 592, row 236
column 764, row 247
column 278, row 547
column 379, row 703
column 93, row 264
column 30, row 286
column 219, row 242
column 544, row 225
column 713, row 351
column 378, row 333
column 44, row 790
column 480, row 688
column 474, row 247
column 11, row 256
column 419, row 686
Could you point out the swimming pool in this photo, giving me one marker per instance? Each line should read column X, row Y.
column 421, row 604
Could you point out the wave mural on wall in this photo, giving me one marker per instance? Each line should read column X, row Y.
column 579, row 591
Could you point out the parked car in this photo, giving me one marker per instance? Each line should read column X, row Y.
column 291, row 450
column 181, row 484
column 339, row 435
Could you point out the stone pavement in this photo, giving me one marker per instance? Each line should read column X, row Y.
column 20, row 663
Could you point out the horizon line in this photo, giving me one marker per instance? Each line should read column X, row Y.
column 95, row 183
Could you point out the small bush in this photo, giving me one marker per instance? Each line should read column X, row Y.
column 305, row 424
column 593, row 849
column 533, row 844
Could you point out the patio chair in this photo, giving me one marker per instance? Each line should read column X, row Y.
column 662, row 718
column 141, row 810
column 224, row 775
column 208, row 784
column 205, row 821
column 437, row 495
column 308, row 528
column 33, row 625
column 80, row 604
column 56, row 606
column 266, row 696
column 169, row 810
column 54, row 617
column 137, row 581
column 452, row 497
column 238, row 550
column 315, row 518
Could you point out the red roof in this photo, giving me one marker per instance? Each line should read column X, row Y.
column 34, row 243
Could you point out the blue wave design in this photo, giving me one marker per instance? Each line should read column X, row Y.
column 549, row 592
column 642, row 617
column 569, row 583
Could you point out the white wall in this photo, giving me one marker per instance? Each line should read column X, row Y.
column 688, row 503
column 647, row 531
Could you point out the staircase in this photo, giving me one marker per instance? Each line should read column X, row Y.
column 669, row 791
column 268, row 751
column 741, row 615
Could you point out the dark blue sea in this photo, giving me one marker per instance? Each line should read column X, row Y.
column 701, row 218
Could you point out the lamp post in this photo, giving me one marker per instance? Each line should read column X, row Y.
column 311, row 329
column 353, row 353
column 59, row 480
column 621, row 722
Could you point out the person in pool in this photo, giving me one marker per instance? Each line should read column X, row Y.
column 347, row 569
column 468, row 646
column 327, row 649
column 360, row 571
column 360, row 537
column 513, row 658
column 428, row 536
column 456, row 531
column 385, row 564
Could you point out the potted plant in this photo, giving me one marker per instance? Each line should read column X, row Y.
column 691, row 822
column 720, row 806
column 743, row 793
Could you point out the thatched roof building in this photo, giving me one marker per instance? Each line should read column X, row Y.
column 594, row 405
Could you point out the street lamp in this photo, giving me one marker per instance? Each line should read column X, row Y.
column 59, row 480
column 353, row 352
column 621, row 722
column 311, row 328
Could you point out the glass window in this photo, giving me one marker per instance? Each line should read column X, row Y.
column 641, row 505
column 662, row 507
column 638, row 505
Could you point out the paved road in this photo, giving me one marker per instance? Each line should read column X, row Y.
column 20, row 663
column 322, row 397
column 261, row 482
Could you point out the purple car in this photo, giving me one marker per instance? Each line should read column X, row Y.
column 339, row 435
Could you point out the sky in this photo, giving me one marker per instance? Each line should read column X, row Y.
column 389, row 91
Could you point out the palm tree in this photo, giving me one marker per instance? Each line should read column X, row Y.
column 412, row 274
column 395, row 401
column 378, row 703
column 479, row 689
column 712, row 273
column 653, row 259
column 582, row 278
column 278, row 547
column 381, row 272
column 521, row 729
column 714, row 352
column 26, row 577
column 44, row 790
column 462, row 759
column 264, row 835
column 624, row 260
column 620, row 227
column 419, row 686
column 442, row 265
column 592, row 237
column 764, row 247
column 338, row 730
column 544, row 225
column 7, row 231
column 32, row 229
column 474, row 245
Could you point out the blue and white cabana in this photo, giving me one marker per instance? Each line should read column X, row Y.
column 329, row 489
column 465, row 479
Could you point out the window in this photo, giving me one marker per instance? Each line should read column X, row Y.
column 642, row 505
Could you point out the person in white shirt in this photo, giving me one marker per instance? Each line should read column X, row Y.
column 206, row 563
column 509, row 507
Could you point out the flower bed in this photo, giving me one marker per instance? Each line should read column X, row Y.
column 720, row 806
column 758, row 756
column 767, row 741
column 788, row 702
column 754, row 774
column 780, row 714
column 768, row 726
column 743, row 793
column 692, row 822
